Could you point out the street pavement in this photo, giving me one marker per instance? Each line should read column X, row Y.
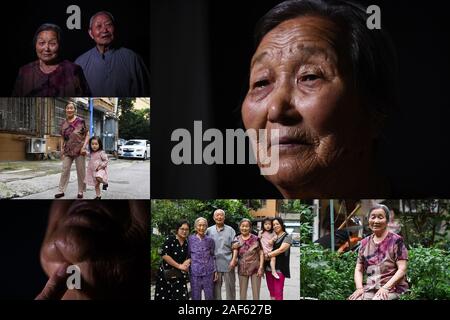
column 128, row 179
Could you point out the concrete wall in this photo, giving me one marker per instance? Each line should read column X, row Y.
column 12, row 147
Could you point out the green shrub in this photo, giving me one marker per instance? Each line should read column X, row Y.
column 155, row 257
column 324, row 274
column 327, row 275
column 428, row 274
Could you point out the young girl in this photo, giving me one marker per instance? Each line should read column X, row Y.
column 267, row 238
column 97, row 171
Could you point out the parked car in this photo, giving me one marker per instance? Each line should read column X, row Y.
column 296, row 240
column 120, row 142
column 135, row 148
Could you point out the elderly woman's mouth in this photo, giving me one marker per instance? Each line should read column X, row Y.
column 292, row 143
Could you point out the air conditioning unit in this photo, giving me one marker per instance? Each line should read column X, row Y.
column 36, row 145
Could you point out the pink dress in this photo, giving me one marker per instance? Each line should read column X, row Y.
column 265, row 240
column 99, row 160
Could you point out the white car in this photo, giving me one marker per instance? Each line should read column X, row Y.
column 135, row 149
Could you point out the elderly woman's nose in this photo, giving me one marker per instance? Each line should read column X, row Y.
column 281, row 107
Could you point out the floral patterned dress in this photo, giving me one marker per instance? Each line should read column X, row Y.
column 74, row 134
column 248, row 255
column 98, row 160
column 380, row 262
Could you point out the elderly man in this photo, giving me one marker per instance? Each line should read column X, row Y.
column 223, row 237
column 112, row 71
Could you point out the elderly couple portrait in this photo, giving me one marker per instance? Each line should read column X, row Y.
column 106, row 70
column 202, row 262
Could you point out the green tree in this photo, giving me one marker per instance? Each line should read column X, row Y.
column 167, row 213
column 426, row 222
column 133, row 124
column 306, row 217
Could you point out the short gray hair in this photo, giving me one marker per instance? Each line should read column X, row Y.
column 380, row 206
column 106, row 13
column 219, row 211
column 198, row 220
column 48, row 27
column 245, row 220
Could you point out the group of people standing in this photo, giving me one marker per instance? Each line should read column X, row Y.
column 208, row 258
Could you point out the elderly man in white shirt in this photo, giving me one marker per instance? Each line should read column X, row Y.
column 223, row 237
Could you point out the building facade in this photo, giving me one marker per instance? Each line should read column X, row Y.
column 28, row 122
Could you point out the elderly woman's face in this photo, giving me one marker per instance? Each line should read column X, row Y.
column 300, row 84
column 245, row 228
column 47, row 46
column 99, row 237
column 377, row 220
column 201, row 227
column 70, row 110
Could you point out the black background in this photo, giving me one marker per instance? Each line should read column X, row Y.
column 200, row 61
column 22, row 232
column 21, row 19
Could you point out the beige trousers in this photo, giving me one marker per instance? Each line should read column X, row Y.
column 243, row 285
column 80, row 164
column 230, row 285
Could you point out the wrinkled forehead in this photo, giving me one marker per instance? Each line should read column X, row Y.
column 47, row 34
column 101, row 18
column 219, row 214
column 304, row 37
column 377, row 211
column 201, row 222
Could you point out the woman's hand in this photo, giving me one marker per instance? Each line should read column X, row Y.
column 357, row 294
column 56, row 286
column 83, row 151
column 183, row 267
column 382, row 294
column 266, row 256
column 260, row 272
column 216, row 276
column 232, row 264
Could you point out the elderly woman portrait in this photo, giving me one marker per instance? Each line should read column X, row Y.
column 73, row 142
column 203, row 271
column 173, row 286
column 250, row 260
column 382, row 258
column 282, row 253
column 49, row 75
column 106, row 240
column 324, row 81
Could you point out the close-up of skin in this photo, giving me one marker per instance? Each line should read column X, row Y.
column 301, row 84
column 106, row 240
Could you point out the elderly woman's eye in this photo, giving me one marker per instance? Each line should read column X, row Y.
column 261, row 83
column 309, row 77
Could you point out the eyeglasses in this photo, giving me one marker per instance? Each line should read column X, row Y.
column 184, row 229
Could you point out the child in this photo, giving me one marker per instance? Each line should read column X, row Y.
column 97, row 170
column 267, row 238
